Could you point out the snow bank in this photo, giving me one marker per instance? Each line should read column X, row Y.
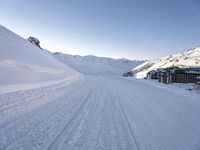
column 24, row 64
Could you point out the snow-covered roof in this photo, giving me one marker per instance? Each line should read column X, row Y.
column 198, row 77
column 195, row 72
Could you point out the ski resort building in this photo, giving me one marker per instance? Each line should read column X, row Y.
column 197, row 83
column 180, row 75
column 152, row 74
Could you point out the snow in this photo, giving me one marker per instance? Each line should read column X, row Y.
column 190, row 58
column 186, row 89
column 47, row 105
column 27, row 86
column 23, row 63
column 105, row 113
column 93, row 65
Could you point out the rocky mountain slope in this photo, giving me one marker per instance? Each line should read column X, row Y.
column 190, row 58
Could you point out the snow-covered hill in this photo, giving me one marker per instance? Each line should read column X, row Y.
column 93, row 65
column 21, row 62
column 190, row 58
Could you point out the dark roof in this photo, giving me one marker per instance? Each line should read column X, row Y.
column 152, row 71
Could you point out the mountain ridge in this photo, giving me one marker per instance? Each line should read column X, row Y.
column 94, row 65
column 189, row 58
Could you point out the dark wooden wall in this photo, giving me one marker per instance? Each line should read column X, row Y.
column 184, row 77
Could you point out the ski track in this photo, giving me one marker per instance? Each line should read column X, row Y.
column 100, row 113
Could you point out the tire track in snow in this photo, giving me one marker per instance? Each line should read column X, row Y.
column 39, row 110
column 104, row 121
column 12, row 107
column 125, row 116
column 87, row 103
column 75, row 104
column 17, row 138
column 100, row 126
column 69, row 124
column 84, row 132
column 37, row 124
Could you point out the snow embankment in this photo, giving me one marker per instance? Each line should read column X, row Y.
column 25, row 66
column 29, row 78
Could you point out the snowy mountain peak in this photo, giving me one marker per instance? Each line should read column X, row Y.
column 194, row 51
column 189, row 58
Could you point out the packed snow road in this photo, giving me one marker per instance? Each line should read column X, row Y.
column 103, row 113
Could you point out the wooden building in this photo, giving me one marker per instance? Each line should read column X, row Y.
column 181, row 75
column 197, row 83
column 165, row 77
column 184, row 77
column 152, row 74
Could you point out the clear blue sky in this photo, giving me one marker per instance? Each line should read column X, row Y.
column 142, row 29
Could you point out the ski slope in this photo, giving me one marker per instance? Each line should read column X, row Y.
column 24, row 66
column 100, row 113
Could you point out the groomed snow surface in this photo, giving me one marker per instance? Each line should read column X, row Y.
column 100, row 113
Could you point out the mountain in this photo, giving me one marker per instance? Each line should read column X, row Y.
column 22, row 62
column 190, row 58
column 93, row 65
